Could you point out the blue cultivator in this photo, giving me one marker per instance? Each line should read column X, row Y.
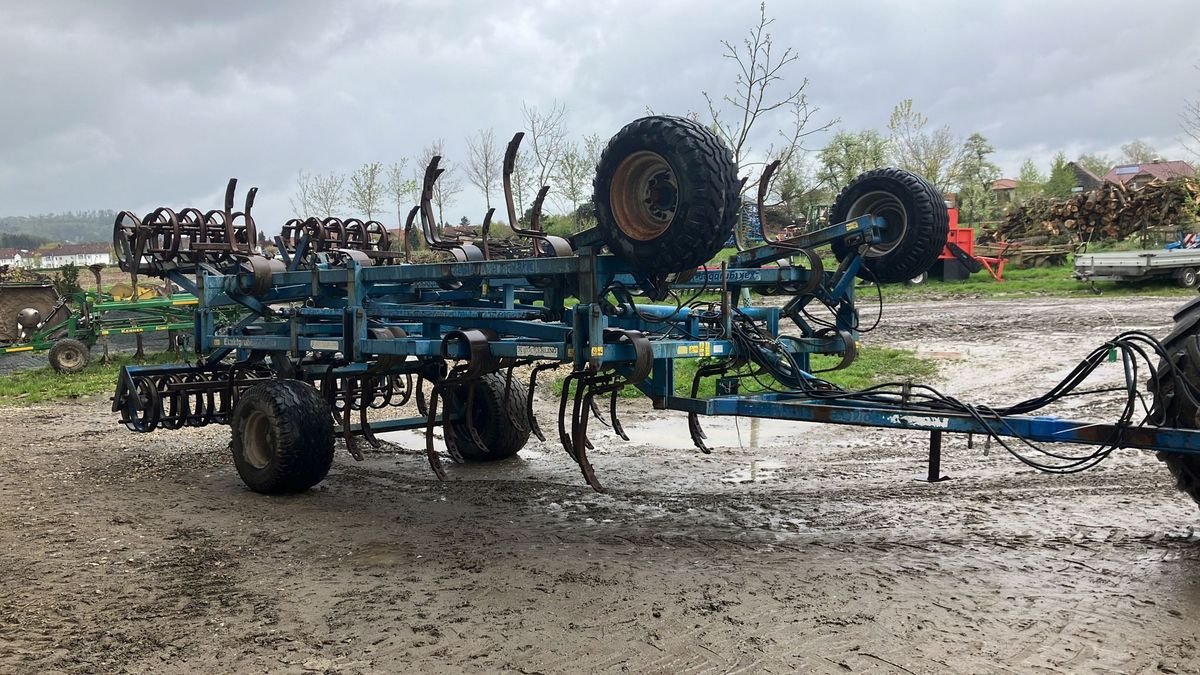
column 341, row 326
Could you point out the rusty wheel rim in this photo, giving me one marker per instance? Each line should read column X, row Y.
column 644, row 195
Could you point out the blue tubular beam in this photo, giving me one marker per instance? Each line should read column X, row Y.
column 1038, row 429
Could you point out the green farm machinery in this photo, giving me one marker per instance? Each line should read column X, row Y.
column 36, row 317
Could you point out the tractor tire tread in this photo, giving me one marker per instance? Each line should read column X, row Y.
column 303, row 429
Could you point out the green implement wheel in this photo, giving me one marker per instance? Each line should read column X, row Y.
column 69, row 356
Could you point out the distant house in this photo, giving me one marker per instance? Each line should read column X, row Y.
column 80, row 255
column 1085, row 181
column 15, row 257
column 1137, row 175
column 1004, row 188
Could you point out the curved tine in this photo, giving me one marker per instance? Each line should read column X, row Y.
column 408, row 390
column 739, row 240
column 230, row 191
column 368, row 393
column 612, row 413
column 530, row 417
column 764, row 185
column 563, row 436
column 697, row 432
column 422, row 405
column 468, row 417
column 408, row 226
column 577, row 407
column 251, row 227
column 595, row 408
column 582, row 445
column 485, row 229
column 428, row 222
column 510, row 164
column 155, row 223
column 351, row 444
column 435, row 462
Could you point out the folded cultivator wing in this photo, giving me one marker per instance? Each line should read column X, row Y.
column 342, row 335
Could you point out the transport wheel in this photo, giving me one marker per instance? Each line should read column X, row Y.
column 282, row 437
column 667, row 194
column 69, row 356
column 917, row 223
column 1186, row 277
column 499, row 421
column 1176, row 409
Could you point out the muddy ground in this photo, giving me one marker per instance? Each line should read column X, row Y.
column 790, row 548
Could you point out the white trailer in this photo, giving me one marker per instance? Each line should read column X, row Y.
column 1181, row 264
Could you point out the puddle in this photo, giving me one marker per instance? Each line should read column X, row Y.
column 722, row 432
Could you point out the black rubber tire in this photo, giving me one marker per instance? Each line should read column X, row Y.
column 1186, row 277
column 912, row 248
column 1183, row 346
column 706, row 191
column 292, row 419
column 502, row 424
column 69, row 356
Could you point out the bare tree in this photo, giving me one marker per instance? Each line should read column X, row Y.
column 302, row 200
column 400, row 187
column 736, row 114
column 935, row 155
column 366, row 189
column 483, row 165
column 575, row 173
column 593, row 147
column 546, row 139
column 328, row 193
column 446, row 187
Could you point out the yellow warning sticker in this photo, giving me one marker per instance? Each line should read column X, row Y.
column 851, row 226
column 597, row 351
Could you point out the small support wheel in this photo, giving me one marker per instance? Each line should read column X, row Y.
column 69, row 356
column 499, row 421
column 282, row 437
column 917, row 223
column 667, row 194
column 1186, row 277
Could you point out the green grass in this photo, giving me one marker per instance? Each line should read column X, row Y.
column 43, row 384
column 873, row 366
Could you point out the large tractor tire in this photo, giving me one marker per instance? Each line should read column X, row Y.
column 1175, row 408
column 282, row 437
column 667, row 194
column 69, row 356
column 917, row 223
column 500, row 422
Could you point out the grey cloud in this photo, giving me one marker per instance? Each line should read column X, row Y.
column 125, row 104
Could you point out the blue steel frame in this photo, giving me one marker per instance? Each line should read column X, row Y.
column 331, row 308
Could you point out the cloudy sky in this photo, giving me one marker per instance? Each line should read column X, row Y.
column 122, row 104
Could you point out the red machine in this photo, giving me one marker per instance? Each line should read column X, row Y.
column 958, row 259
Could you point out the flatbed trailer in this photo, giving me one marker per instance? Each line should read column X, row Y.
column 1181, row 265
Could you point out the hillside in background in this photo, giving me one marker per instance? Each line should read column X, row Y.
column 83, row 226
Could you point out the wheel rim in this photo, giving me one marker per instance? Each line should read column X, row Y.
column 257, row 448
column 644, row 195
column 70, row 358
column 887, row 206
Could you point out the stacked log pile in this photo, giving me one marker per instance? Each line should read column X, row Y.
column 1110, row 213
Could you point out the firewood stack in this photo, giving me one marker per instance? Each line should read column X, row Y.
column 1109, row 213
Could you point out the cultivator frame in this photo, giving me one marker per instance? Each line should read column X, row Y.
column 341, row 311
